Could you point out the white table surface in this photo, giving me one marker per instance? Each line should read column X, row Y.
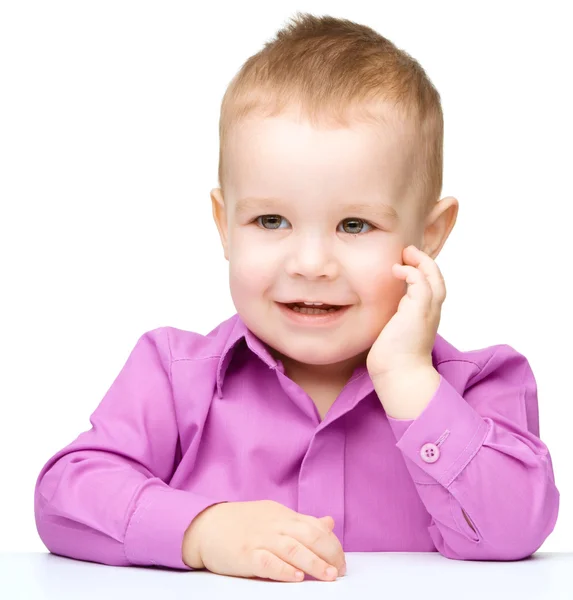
column 383, row 576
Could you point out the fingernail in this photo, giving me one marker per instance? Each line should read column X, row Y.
column 331, row 572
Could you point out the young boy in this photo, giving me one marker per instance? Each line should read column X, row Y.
column 289, row 434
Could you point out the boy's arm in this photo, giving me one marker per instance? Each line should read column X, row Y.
column 486, row 464
column 104, row 497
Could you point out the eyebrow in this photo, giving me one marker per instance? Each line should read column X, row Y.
column 383, row 211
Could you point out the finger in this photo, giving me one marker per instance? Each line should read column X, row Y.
column 300, row 556
column 269, row 566
column 328, row 521
column 431, row 272
column 324, row 543
column 419, row 287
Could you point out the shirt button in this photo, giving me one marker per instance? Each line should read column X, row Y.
column 430, row 453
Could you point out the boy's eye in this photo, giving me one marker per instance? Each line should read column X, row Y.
column 275, row 221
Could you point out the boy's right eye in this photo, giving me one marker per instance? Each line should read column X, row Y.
column 275, row 217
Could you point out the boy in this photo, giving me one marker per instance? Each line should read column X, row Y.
column 327, row 415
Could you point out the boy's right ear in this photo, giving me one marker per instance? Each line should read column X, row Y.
column 220, row 217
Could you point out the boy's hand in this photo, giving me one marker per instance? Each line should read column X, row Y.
column 406, row 341
column 262, row 539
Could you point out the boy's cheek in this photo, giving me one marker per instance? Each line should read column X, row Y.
column 377, row 279
column 248, row 279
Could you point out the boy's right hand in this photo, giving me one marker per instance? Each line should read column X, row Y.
column 262, row 539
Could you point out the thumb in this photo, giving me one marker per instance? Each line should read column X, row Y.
column 328, row 521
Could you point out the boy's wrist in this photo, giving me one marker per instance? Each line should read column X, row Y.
column 191, row 554
column 192, row 539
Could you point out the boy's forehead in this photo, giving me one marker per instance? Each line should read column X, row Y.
column 286, row 157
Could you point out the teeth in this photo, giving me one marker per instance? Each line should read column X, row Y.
column 314, row 303
column 313, row 311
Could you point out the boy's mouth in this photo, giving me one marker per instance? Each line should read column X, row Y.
column 309, row 309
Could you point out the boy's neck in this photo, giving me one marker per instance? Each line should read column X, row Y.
column 330, row 376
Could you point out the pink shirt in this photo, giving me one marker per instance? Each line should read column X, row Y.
column 192, row 420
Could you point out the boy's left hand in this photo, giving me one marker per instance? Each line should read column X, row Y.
column 407, row 340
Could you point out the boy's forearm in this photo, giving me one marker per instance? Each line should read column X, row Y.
column 404, row 394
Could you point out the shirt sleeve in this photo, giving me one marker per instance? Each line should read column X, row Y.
column 480, row 454
column 105, row 497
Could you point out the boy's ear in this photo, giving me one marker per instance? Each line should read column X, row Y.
column 439, row 225
column 220, row 217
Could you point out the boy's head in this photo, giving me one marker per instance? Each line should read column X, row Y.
column 328, row 114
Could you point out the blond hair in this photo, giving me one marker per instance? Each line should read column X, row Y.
column 333, row 70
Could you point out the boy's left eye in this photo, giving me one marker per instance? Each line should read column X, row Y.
column 359, row 221
column 353, row 221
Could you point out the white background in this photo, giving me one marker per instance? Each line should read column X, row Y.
column 108, row 150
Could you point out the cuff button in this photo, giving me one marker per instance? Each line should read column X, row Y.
column 430, row 453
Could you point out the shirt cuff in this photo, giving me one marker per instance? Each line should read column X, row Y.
column 155, row 532
column 447, row 422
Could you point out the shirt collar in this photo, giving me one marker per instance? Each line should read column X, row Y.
column 239, row 331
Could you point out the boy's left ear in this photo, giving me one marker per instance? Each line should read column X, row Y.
column 439, row 225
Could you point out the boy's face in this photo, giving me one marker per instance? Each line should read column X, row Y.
column 309, row 246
